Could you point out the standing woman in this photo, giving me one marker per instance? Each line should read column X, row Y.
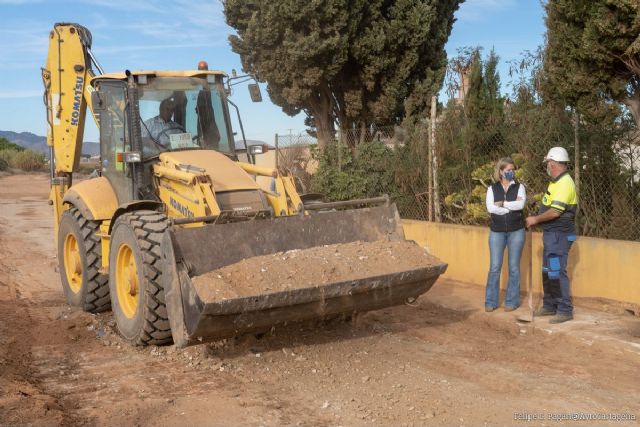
column 505, row 201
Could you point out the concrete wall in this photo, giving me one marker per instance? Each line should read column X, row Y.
column 598, row 268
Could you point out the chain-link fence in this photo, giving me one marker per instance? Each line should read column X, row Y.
column 441, row 173
column 294, row 156
column 604, row 166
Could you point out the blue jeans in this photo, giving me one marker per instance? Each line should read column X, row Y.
column 555, row 281
column 514, row 241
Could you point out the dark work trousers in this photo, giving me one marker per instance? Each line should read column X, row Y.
column 555, row 281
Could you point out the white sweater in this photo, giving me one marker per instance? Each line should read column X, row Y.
column 516, row 205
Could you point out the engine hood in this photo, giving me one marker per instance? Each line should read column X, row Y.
column 224, row 173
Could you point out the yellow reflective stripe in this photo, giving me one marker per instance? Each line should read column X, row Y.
column 558, row 205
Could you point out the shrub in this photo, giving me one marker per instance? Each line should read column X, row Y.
column 87, row 168
column 341, row 175
column 5, row 144
column 28, row 161
column 7, row 156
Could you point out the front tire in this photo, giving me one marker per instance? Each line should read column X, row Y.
column 135, row 270
column 79, row 263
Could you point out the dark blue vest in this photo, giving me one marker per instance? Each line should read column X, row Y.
column 512, row 221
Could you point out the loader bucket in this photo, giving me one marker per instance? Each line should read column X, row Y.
column 196, row 315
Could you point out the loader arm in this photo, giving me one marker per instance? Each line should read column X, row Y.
column 285, row 200
column 67, row 94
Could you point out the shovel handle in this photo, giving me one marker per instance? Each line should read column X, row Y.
column 530, row 278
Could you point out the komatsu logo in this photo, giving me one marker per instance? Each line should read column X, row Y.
column 77, row 101
column 185, row 211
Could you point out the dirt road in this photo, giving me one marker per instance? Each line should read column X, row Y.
column 442, row 361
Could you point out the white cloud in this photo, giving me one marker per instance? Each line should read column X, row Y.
column 204, row 15
column 476, row 10
column 19, row 2
column 12, row 94
column 148, row 6
column 21, row 43
column 145, row 47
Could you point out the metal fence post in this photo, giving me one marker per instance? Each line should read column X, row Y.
column 576, row 163
column 430, row 168
column 276, row 143
column 434, row 156
column 339, row 150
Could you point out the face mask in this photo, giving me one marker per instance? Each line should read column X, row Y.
column 548, row 169
column 509, row 175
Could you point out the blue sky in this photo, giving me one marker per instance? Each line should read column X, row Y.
column 176, row 34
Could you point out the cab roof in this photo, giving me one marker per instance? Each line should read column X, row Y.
column 120, row 75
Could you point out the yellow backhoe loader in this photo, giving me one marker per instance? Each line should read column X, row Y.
column 171, row 201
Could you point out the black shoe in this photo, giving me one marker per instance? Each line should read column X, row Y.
column 560, row 318
column 544, row 312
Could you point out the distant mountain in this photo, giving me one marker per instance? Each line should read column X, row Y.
column 26, row 140
column 38, row 143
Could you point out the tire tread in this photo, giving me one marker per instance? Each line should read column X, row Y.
column 148, row 228
column 97, row 298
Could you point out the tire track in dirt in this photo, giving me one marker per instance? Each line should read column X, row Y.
column 411, row 365
column 66, row 367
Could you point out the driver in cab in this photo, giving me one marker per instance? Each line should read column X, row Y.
column 159, row 128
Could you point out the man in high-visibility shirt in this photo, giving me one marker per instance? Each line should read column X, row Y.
column 557, row 217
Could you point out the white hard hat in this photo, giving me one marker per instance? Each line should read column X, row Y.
column 559, row 154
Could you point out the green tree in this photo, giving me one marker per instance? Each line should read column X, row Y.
column 5, row 144
column 343, row 176
column 345, row 63
column 592, row 55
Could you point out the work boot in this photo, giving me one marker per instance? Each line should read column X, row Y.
column 561, row 317
column 544, row 312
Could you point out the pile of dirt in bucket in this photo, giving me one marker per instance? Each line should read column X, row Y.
column 297, row 269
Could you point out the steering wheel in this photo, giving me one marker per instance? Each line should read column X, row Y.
column 164, row 131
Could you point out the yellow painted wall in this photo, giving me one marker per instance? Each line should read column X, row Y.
column 598, row 268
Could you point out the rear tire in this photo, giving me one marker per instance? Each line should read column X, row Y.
column 135, row 270
column 79, row 263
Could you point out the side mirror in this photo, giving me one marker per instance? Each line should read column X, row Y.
column 258, row 149
column 254, row 92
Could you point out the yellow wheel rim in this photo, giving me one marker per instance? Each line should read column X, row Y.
column 72, row 263
column 127, row 281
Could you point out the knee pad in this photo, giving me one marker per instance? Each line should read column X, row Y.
column 553, row 267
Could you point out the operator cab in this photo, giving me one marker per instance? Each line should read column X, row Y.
column 178, row 111
column 183, row 113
